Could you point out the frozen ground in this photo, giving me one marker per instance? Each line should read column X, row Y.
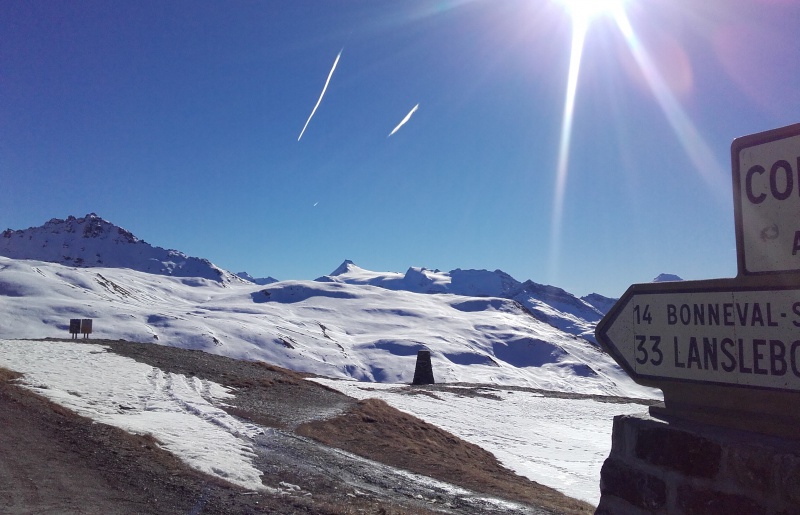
column 558, row 442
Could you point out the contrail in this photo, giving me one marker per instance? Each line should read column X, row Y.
column 321, row 94
column 408, row 117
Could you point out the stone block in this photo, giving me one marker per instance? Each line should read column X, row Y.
column 615, row 506
column 750, row 467
column 680, row 451
column 638, row 488
column 623, row 435
column 789, row 478
column 693, row 501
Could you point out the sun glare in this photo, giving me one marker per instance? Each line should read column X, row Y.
column 588, row 9
column 583, row 12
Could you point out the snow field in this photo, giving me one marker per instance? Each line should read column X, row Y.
column 333, row 329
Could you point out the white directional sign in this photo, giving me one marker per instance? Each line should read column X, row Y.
column 766, row 183
column 707, row 332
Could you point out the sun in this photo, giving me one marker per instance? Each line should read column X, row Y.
column 588, row 9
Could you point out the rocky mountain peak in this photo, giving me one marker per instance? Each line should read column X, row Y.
column 89, row 226
column 91, row 241
column 345, row 267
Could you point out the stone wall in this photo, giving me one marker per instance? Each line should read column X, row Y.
column 689, row 468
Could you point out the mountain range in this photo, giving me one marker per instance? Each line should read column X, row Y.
column 481, row 326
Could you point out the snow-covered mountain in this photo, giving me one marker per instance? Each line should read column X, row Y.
column 90, row 241
column 256, row 280
column 600, row 303
column 480, row 326
column 666, row 277
column 549, row 304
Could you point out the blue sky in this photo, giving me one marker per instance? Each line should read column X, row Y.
column 180, row 121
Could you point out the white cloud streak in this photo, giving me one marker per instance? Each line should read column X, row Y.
column 321, row 94
column 403, row 122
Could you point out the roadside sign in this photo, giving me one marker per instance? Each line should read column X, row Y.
column 727, row 351
column 74, row 327
column 717, row 332
column 766, row 192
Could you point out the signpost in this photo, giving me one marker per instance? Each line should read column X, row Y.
column 80, row 325
column 727, row 351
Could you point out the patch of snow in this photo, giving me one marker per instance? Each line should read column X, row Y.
column 178, row 411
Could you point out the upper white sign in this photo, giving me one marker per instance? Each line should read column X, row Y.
column 766, row 181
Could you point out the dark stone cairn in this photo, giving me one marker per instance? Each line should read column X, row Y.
column 423, row 373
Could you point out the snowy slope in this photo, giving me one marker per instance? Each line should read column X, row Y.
column 330, row 328
column 91, row 241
